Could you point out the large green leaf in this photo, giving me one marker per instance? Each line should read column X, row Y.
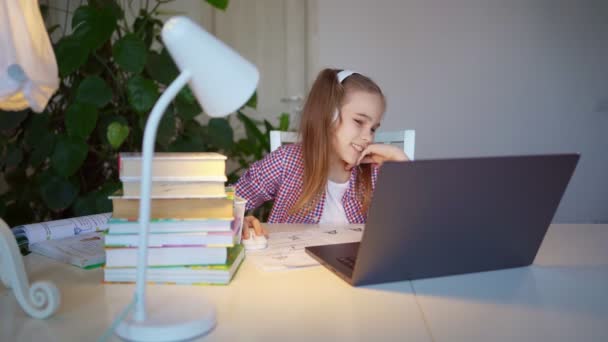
column 18, row 214
column 219, row 4
column 244, row 146
column 57, row 193
column 14, row 156
column 161, row 67
column 37, row 127
column 144, row 28
column 94, row 65
column 130, row 53
column 95, row 91
column 187, row 110
column 2, row 206
column 166, row 128
column 254, row 134
column 93, row 26
column 269, row 128
column 97, row 201
column 15, row 178
column 3, row 141
column 196, row 134
column 70, row 55
column 117, row 134
column 42, row 149
column 80, row 120
column 109, row 188
column 220, row 133
column 111, row 5
column 184, row 144
column 11, row 120
column 106, row 120
column 68, row 155
column 193, row 139
column 85, row 205
column 102, row 204
column 186, row 94
column 142, row 93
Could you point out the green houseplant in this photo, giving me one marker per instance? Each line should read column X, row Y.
column 63, row 162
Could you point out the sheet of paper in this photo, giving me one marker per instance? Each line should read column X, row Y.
column 285, row 250
column 59, row 229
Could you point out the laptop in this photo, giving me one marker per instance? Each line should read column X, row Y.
column 432, row 218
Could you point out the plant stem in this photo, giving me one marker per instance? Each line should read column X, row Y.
column 111, row 73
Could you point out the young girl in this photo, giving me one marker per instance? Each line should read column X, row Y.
column 329, row 177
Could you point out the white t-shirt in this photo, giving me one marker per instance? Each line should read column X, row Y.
column 333, row 210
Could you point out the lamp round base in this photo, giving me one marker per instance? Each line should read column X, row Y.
column 169, row 318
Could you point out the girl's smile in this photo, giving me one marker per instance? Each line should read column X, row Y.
column 357, row 147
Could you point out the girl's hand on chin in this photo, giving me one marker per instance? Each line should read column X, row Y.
column 379, row 153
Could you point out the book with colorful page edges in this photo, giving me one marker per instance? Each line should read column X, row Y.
column 186, row 275
column 168, row 256
column 131, row 226
column 171, row 235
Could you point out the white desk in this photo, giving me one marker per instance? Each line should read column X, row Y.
column 302, row 305
column 563, row 296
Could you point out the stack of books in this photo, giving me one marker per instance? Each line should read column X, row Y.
column 193, row 233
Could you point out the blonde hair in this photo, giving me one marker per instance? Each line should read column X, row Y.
column 325, row 97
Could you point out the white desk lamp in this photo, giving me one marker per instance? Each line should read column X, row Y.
column 28, row 78
column 222, row 81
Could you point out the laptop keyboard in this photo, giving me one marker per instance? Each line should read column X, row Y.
column 347, row 261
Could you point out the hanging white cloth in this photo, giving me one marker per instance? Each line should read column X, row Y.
column 28, row 69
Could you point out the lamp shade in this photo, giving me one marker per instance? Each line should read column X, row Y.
column 28, row 69
column 222, row 80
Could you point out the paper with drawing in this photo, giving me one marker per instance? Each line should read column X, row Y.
column 286, row 249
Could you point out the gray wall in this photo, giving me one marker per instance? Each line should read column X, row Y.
column 485, row 77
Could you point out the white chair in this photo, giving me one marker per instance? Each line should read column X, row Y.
column 405, row 139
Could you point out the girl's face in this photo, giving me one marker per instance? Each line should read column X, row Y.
column 360, row 116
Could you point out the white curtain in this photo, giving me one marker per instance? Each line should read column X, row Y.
column 28, row 69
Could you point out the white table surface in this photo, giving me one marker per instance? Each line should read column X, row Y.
column 301, row 305
column 562, row 297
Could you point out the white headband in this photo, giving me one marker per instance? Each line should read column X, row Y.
column 342, row 75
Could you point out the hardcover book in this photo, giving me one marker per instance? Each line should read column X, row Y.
column 131, row 226
column 187, row 275
column 167, row 256
column 211, row 187
column 172, row 165
column 180, row 208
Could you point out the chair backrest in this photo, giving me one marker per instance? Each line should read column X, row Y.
column 405, row 139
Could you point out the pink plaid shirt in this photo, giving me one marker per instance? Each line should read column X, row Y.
column 278, row 177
